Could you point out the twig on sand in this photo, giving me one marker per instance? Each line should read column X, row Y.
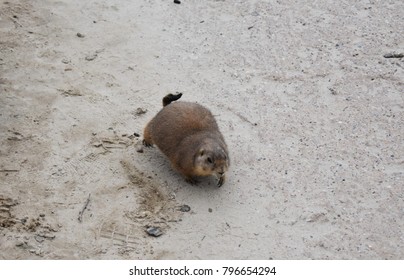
column 80, row 218
column 393, row 55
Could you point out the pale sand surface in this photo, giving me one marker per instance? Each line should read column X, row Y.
column 312, row 111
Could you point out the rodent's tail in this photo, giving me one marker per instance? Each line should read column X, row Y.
column 170, row 98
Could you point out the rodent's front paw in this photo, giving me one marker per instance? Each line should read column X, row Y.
column 147, row 144
column 221, row 181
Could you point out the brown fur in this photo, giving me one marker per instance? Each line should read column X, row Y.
column 189, row 136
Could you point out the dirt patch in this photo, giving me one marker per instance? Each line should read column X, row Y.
column 21, row 224
column 7, row 219
column 156, row 207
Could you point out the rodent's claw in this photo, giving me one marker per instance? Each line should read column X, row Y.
column 221, row 180
column 147, row 144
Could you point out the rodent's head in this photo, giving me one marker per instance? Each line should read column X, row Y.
column 210, row 161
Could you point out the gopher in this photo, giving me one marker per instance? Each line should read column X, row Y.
column 187, row 133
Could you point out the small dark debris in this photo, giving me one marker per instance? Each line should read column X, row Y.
column 210, row 210
column 136, row 134
column 14, row 138
column 251, row 27
column 97, row 145
column 80, row 35
column 333, row 91
column 185, row 208
column 154, row 231
column 43, row 236
column 139, row 148
column 393, row 55
column 21, row 244
column 70, row 92
column 177, row 2
column 91, row 57
column 140, row 111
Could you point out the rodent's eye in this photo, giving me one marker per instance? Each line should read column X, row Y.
column 209, row 159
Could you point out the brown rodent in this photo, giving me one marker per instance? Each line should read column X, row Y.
column 187, row 133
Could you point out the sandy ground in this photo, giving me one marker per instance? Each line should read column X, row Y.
column 312, row 111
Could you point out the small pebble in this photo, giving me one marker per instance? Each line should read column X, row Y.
column 80, row 35
column 139, row 148
column 140, row 111
column 154, row 231
column 393, row 55
column 91, row 57
column 39, row 239
column 210, row 210
column 177, row 2
column 185, row 208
